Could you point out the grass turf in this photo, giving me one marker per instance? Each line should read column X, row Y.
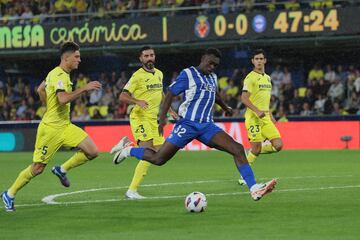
column 317, row 198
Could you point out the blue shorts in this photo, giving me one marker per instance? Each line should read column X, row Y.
column 185, row 131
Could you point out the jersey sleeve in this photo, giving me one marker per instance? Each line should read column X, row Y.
column 248, row 85
column 60, row 82
column 180, row 84
column 131, row 84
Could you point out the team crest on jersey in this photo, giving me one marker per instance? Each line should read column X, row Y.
column 60, row 84
column 202, row 27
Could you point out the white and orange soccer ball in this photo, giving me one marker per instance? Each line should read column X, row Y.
column 195, row 202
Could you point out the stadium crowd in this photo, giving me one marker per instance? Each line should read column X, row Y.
column 44, row 11
column 329, row 90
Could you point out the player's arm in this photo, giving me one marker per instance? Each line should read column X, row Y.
column 245, row 98
column 165, row 106
column 41, row 91
column 66, row 97
column 219, row 101
column 126, row 97
column 172, row 113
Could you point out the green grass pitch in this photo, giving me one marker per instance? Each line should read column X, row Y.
column 317, row 197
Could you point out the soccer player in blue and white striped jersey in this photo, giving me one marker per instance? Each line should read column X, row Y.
column 199, row 86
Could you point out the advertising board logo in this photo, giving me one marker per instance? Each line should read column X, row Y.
column 259, row 23
column 202, row 27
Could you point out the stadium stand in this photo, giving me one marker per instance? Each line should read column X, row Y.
column 326, row 92
column 326, row 88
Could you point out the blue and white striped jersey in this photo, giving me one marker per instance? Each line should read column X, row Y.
column 199, row 94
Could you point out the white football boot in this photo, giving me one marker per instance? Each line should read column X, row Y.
column 133, row 195
column 259, row 190
column 121, row 150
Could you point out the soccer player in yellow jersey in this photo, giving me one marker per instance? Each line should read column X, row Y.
column 259, row 121
column 55, row 129
column 145, row 91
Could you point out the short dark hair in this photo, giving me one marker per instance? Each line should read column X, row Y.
column 68, row 47
column 257, row 52
column 144, row 48
column 213, row 51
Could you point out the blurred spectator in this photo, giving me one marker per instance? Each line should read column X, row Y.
column 287, row 77
column 342, row 75
column 330, row 74
column 81, row 81
column 336, row 90
column 315, row 73
column 107, row 97
column 97, row 115
column 26, row 16
column 296, row 100
column 338, row 110
column 352, row 103
column 231, row 90
column 277, row 78
column 281, row 115
column 319, row 104
column 306, row 111
column 357, row 83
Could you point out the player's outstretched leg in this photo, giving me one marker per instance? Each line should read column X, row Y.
column 8, row 201
column 224, row 142
column 56, row 170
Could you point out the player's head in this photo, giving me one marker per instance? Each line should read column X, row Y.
column 210, row 60
column 258, row 59
column 147, row 57
column 70, row 55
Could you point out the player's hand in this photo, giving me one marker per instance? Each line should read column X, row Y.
column 94, row 85
column 260, row 114
column 143, row 104
column 162, row 123
column 173, row 115
column 229, row 111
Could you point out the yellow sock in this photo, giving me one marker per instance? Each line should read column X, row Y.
column 24, row 177
column 139, row 174
column 267, row 148
column 77, row 159
column 251, row 157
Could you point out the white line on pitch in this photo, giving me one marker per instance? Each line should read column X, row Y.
column 50, row 199
column 182, row 196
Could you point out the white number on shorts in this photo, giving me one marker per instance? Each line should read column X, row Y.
column 180, row 130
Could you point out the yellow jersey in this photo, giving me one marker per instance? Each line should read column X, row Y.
column 57, row 115
column 259, row 86
column 146, row 86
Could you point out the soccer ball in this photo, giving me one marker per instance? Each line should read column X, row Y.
column 195, row 202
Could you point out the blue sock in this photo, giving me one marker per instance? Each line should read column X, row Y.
column 247, row 174
column 137, row 152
